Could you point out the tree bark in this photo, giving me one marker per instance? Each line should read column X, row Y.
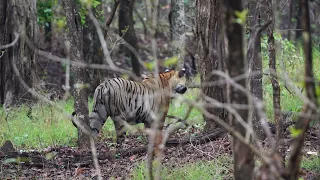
column 126, row 29
column 20, row 18
column 237, row 65
column 177, row 26
column 255, row 63
column 76, row 53
column 210, row 38
column 92, row 54
column 3, row 40
column 298, row 17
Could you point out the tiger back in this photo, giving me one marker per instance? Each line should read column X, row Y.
column 134, row 102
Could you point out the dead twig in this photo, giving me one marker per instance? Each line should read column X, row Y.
column 79, row 64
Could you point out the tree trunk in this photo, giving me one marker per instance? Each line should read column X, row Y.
column 210, row 40
column 268, row 12
column 18, row 18
column 255, row 64
column 76, row 53
column 177, row 26
column 3, row 40
column 236, row 65
column 126, row 29
column 92, row 54
column 309, row 111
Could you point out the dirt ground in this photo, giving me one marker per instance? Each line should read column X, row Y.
column 70, row 163
column 117, row 163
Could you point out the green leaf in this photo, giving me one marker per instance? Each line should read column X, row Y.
column 96, row 3
column 149, row 65
column 318, row 91
column 81, row 85
column 61, row 23
column 241, row 16
column 86, row 3
column 16, row 160
column 125, row 76
column 49, row 155
column 294, row 131
column 171, row 61
column 125, row 30
column 10, row 160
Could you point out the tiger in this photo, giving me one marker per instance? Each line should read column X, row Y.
column 132, row 102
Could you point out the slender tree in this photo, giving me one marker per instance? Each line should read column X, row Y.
column 236, row 65
column 267, row 13
column 255, row 62
column 310, row 108
column 126, row 29
column 18, row 23
column 3, row 40
column 210, row 40
column 76, row 53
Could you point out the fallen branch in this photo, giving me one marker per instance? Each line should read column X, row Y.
column 178, row 142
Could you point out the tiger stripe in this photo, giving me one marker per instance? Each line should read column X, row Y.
column 133, row 102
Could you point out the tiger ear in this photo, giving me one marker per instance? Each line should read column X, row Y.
column 167, row 70
column 182, row 72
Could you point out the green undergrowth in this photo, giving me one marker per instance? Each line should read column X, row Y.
column 311, row 164
column 290, row 70
column 48, row 126
column 219, row 168
column 45, row 126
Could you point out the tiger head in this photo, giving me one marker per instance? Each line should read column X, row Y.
column 170, row 78
column 178, row 81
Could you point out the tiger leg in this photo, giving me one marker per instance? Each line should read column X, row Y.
column 97, row 119
column 119, row 124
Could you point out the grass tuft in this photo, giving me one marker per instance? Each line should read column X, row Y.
column 220, row 168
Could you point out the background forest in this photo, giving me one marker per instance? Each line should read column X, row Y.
column 250, row 112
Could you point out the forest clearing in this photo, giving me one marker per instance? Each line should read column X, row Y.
column 159, row 89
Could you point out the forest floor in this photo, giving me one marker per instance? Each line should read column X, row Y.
column 124, row 163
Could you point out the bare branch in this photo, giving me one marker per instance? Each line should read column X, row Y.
column 113, row 12
column 2, row 53
column 46, row 100
column 80, row 64
column 231, row 130
column 142, row 21
column 12, row 43
column 103, row 42
column 95, row 159
column 157, row 135
column 311, row 112
column 258, row 105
